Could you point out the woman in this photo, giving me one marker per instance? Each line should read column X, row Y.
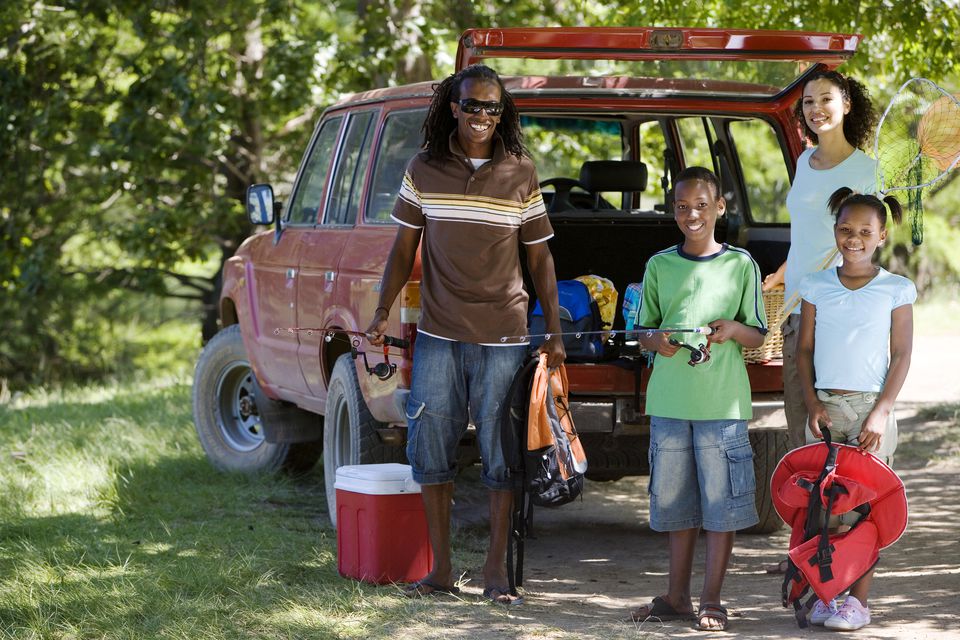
column 839, row 118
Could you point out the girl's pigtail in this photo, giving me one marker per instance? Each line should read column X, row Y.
column 896, row 210
column 836, row 200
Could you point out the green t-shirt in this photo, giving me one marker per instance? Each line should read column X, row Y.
column 682, row 291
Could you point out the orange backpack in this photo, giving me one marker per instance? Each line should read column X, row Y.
column 553, row 446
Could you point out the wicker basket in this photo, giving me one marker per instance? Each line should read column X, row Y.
column 772, row 347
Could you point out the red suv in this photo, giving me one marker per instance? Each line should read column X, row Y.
column 653, row 101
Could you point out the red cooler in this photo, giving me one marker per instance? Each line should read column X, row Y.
column 381, row 527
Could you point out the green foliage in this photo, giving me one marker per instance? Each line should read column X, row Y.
column 135, row 127
column 934, row 265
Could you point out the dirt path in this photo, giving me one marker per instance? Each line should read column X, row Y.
column 594, row 560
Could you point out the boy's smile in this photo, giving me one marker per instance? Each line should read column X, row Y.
column 696, row 209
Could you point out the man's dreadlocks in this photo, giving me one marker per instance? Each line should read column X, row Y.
column 440, row 122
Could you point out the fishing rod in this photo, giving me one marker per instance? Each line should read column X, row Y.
column 383, row 370
column 646, row 333
column 328, row 335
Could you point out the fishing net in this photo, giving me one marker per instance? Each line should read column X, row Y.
column 917, row 144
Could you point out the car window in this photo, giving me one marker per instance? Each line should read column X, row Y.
column 306, row 200
column 764, row 168
column 653, row 149
column 350, row 171
column 695, row 142
column 399, row 142
column 560, row 146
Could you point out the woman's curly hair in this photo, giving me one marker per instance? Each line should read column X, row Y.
column 859, row 124
column 440, row 122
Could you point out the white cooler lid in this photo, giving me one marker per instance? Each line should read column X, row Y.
column 376, row 479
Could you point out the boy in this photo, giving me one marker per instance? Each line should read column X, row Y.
column 701, row 468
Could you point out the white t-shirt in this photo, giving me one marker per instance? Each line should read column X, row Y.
column 852, row 334
column 811, row 223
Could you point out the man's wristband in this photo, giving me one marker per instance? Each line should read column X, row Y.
column 378, row 309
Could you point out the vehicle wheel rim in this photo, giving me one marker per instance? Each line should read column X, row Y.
column 237, row 415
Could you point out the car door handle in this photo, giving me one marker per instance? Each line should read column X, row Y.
column 330, row 276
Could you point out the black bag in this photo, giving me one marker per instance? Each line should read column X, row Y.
column 536, row 474
column 545, row 468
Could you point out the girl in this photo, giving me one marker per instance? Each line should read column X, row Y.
column 852, row 318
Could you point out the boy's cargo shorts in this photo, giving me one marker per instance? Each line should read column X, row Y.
column 847, row 411
column 701, row 475
column 455, row 384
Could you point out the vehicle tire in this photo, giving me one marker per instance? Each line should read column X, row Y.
column 611, row 458
column 350, row 431
column 769, row 446
column 226, row 416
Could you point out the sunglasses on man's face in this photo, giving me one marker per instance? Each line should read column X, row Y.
column 471, row 106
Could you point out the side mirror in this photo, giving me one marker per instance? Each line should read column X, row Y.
column 260, row 204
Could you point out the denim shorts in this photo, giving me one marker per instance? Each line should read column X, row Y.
column 847, row 412
column 455, row 384
column 701, row 475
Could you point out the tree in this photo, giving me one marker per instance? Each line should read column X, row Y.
column 130, row 129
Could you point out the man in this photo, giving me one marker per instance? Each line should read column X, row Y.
column 473, row 196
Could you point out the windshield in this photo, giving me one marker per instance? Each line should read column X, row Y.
column 746, row 79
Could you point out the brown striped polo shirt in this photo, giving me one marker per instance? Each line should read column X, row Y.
column 473, row 221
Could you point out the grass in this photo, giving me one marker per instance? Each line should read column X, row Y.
column 934, row 315
column 113, row 525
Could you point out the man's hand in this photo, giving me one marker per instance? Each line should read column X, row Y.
column 378, row 327
column 556, row 354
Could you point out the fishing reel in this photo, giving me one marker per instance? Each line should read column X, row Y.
column 698, row 355
column 383, row 370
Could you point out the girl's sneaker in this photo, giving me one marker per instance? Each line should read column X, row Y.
column 822, row 612
column 851, row 616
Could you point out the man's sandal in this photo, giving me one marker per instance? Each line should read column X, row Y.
column 712, row 612
column 427, row 587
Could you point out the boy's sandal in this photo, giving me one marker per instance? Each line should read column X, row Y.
column 712, row 612
column 659, row 609
column 502, row 596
